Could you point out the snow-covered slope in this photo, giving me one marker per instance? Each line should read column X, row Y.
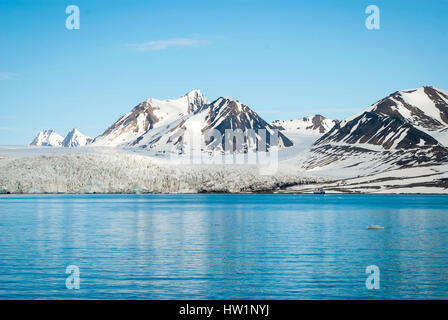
column 76, row 139
column 171, row 125
column 316, row 125
column 47, row 138
column 404, row 129
column 427, row 179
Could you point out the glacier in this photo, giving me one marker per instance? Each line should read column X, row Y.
column 117, row 171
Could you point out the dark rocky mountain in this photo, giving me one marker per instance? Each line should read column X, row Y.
column 425, row 107
column 228, row 113
column 407, row 128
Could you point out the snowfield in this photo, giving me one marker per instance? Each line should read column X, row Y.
column 115, row 171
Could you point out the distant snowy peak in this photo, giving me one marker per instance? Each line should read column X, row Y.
column 150, row 114
column 76, row 139
column 168, row 125
column 316, row 124
column 47, row 138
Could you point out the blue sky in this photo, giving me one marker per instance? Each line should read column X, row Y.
column 285, row 59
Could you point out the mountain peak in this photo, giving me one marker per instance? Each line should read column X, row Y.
column 150, row 114
column 425, row 107
column 47, row 138
column 228, row 99
column 196, row 100
column 229, row 103
column 422, row 89
column 193, row 93
column 76, row 139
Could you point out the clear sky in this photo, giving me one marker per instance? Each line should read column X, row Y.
column 284, row 59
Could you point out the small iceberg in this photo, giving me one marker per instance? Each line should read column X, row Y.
column 374, row 227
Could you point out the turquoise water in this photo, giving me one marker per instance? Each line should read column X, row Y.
column 223, row 246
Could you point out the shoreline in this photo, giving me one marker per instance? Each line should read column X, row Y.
column 221, row 193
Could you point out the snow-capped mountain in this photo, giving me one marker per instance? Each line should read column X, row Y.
column 76, row 139
column 407, row 128
column 47, row 138
column 426, row 108
column 170, row 125
column 152, row 114
column 316, row 124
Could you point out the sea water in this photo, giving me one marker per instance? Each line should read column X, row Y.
column 222, row 246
